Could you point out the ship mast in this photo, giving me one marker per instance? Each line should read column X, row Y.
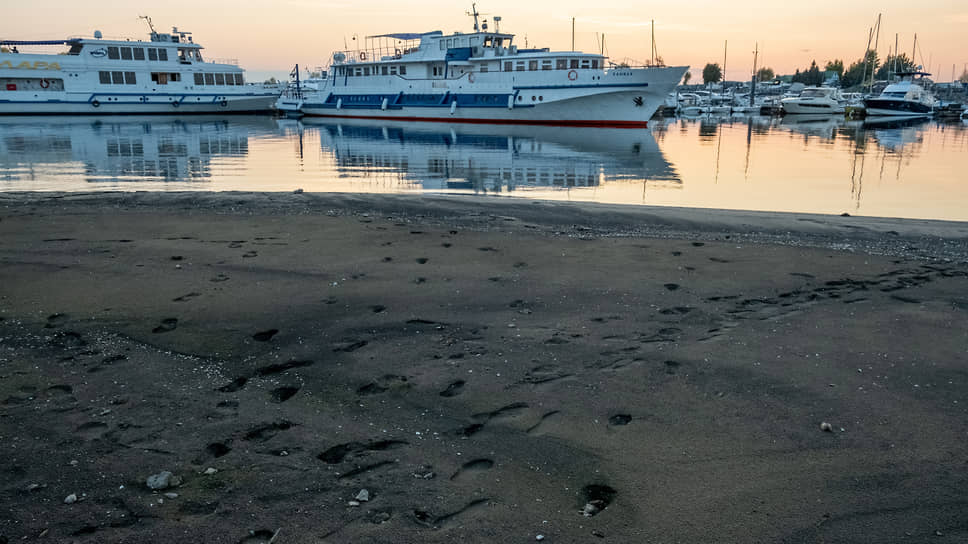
column 147, row 19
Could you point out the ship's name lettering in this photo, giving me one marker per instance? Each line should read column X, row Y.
column 39, row 65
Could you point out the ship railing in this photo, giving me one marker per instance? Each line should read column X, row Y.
column 233, row 62
column 374, row 54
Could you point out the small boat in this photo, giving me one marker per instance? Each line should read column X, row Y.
column 483, row 77
column 903, row 98
column 164, row 75
column 814, row 100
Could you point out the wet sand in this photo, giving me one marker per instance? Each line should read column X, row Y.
column 487, row 369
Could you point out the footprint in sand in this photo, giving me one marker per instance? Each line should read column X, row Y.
column 454, row 389
column 167, row 325
column 471, row 467
column 265, row 336
column 282, row 394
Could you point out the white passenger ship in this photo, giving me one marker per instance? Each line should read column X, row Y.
column 482, row 77
column 101, row 76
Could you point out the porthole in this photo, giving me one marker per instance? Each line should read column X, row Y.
column 540, row 99
column 533, row 98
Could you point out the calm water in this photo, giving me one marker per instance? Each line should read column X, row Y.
column 824, row 165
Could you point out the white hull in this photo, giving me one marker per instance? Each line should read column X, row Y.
column 629, row 102
column 83, row 104
column 812, row 109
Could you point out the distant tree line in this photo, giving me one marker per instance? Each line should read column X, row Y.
column 858, row 73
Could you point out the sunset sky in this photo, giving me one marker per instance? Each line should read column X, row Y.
column 269, row 36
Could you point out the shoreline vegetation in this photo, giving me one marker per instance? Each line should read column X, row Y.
column 280, row 367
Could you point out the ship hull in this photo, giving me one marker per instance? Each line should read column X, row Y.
column 589, row 105
column 880, row 106
column 107, row 104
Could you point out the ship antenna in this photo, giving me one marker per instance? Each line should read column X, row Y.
column 147, row 19
column 474, row 14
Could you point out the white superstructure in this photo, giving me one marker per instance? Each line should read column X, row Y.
column 103, row 76
column 483, row 77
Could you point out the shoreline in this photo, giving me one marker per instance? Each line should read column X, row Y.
column 486, row 369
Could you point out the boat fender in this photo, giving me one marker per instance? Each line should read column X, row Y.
column 470, row 77
column 224, row 103
column 510, row 101
column 572, row 75
column 96, row 103
column 383, row 106
column 339, row 103
column 362, row 55
column 453, row 107
column 44, row 84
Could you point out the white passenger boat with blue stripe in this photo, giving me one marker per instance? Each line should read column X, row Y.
column 103, row 76
column 482, row 77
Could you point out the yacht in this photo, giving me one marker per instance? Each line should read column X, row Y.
column 165, row 74
column 903, row 98
column 814, row 100
column 483, row 77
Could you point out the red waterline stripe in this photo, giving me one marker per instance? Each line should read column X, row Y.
column 553, row 123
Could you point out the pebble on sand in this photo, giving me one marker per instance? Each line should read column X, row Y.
column 363, row 495
column 70, row 499
column 162, row 480
column 826, row 427
column 210, row 470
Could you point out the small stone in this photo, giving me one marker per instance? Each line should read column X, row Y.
column 171, row 495
column 589, row 510
column 539, row 537
column 35, row 487
column 354, row 503
column 177, row 267
column 283, row 453
column 826, row 427
column 70, row 499
column 210, row 470
column 73, row 462
column 363, row 495
column 159, row 481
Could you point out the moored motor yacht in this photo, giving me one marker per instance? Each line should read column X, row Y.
column 814, row 100
column 903, row 98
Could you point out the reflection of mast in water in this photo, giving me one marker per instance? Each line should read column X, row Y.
column 749, row 141
column 857, row 182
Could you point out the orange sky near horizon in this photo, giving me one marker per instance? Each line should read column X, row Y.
column 271, row 36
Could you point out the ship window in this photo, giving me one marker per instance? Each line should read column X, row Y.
column 358, row 72
column 220, row 79
column 75, row 49
column 126, row 53
column 403, row 70
column 366, row 70
column 393, row 70
column 209, row 79
column 442, row 45
column 152, row 53
column 104, row 77
column 130, row 79
column 574, row 63
column 532, row 65
column 117, row 78
column 163, row 55
column 507, row 66
column 199, row 78
column 230, row 79
column 161, row 78
column 239, row 80
column 546, row 64
column 384, row 70
column 519, row 66
column 174, row 76
column 585, row 63
column 139, row 53
column 595, row 63
column 113, row 53
column 473, row 41
column 483, row 67
column 561, row 64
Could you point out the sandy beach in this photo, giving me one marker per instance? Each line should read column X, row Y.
column 485, row 369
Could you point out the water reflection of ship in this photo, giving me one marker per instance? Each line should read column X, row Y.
column 120, row 149
column 487, row 159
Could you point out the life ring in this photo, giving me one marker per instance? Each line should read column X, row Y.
column 470, row 77
column 95, row 103
column 362, row 55
column 44, row 84
column 572, row 75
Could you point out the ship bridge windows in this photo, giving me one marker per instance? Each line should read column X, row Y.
column 157, row 53
column 561, row 64
column 532, row 65
column 573, row 64
column 546, row 64
column 126, row 53
column 218, row 79
column 75, row 49
column 139, row 53
column 114, row 53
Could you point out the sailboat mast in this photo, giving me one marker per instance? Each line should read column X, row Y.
column 725, row 45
